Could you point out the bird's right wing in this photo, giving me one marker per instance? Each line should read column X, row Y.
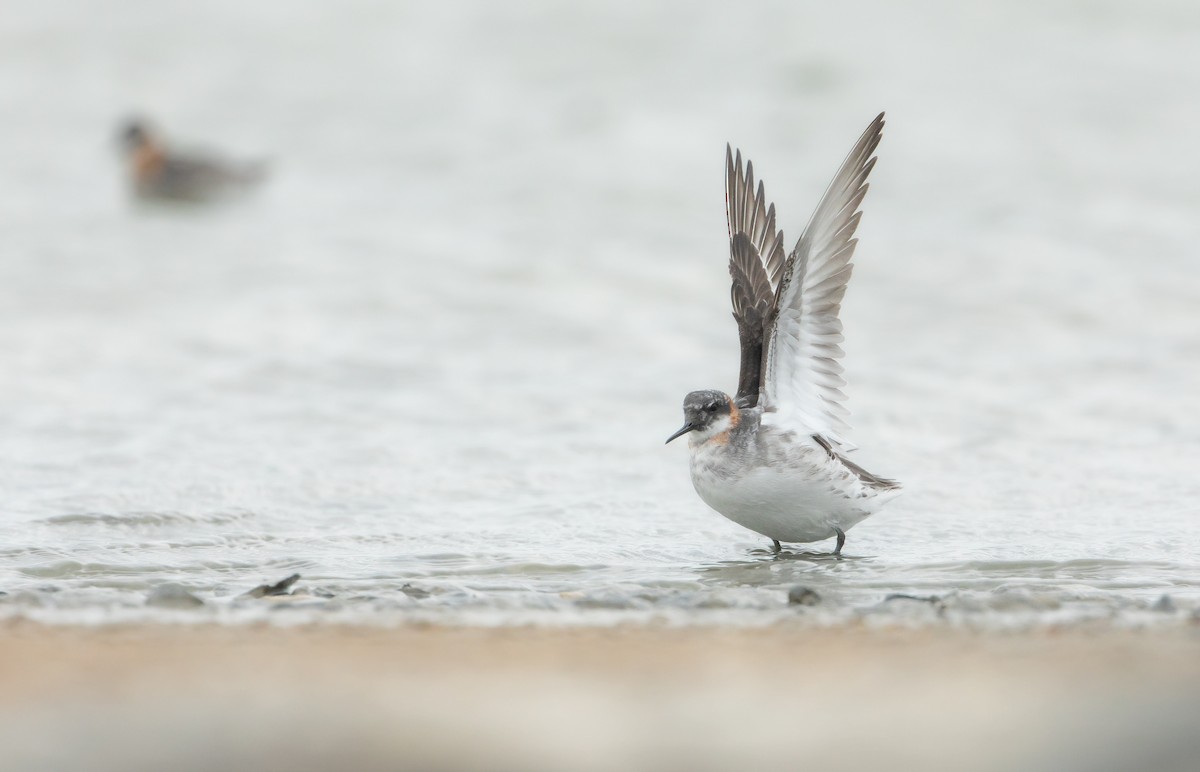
column 756, row 260
column 802, row 379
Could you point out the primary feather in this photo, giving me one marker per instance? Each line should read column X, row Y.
column 801, row 378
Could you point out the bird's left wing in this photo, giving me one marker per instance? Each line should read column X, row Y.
column 802, row 379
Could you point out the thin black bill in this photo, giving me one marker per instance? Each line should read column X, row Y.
column 686, row 428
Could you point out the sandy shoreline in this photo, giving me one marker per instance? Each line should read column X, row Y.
column 209, row 697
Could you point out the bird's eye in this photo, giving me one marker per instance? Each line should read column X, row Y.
column 712, row 407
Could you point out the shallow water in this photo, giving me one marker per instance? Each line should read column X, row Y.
column 430, row 366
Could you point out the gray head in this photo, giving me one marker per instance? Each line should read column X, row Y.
column 708, row 412
column 133, row 134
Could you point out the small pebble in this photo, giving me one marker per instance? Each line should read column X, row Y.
column 279, row 588
column 415, row 592
column 172, row 596
column 1164, row 604
column 803, row 596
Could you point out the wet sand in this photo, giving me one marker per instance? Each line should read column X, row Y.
column 207, row 697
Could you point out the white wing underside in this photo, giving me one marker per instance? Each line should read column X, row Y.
column 802, row 380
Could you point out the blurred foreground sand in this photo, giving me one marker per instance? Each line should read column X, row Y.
column 199, row 698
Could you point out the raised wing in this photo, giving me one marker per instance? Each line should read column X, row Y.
column 802, row 379
column 756, row 261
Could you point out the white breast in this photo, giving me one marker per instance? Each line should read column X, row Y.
column 803, row 499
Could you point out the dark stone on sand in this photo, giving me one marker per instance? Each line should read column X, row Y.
column 1164, row 604
column 803, row 596
column 172, row 596
column 279, row 588
column 415, row 592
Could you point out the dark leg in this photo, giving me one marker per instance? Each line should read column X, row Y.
column 778, row 547
column 837, row 551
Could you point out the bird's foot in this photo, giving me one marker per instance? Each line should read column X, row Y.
column 841, row 540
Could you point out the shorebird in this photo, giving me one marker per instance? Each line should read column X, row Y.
column 157, row 174
column 772, row 457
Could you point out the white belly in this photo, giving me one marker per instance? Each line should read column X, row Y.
column 793, row 504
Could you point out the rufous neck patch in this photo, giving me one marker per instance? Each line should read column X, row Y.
column 148, row 160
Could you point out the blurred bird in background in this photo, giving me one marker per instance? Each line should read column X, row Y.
column 157, row 173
